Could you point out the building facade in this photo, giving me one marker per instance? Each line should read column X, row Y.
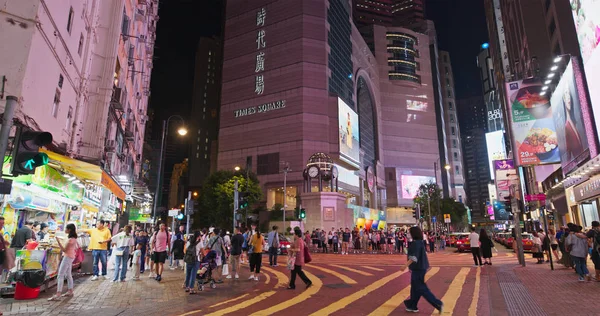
column 453, row 137
column 303, row 80
column 81, row 70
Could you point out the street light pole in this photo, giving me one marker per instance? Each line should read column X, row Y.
column 285, row 171
column 165, row 133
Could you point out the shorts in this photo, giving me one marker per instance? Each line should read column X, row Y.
column 159, row 257
column 554, row 246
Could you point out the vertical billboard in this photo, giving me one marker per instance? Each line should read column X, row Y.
column 534, row 135
column 495, row 148
column 349, row 139
column 586, row 15
column 411, row 184
column 568, row 119
column 506, row 175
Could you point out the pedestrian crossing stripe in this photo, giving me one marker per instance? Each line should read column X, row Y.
column 305, row 295
column 340, row 276
column 282, row 279
column 229, row 301
column 395, row 301
column 453, row 293
column 473, row 306
column 351, row 270
column 356, row 296
column 374, row 269
column 242, row 305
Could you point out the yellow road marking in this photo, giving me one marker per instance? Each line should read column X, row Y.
column 388, row 307
column 282, row 279
column 306, row 294
column 352, row 270
column 462, row 254
column 473, row 307
column 371, row 268
column 511, row 255
column 342, row 277
column 356, row 296
column 229, row 301
column 454, row 290
column 243, row 304
column 267, row 278
column 192, row 313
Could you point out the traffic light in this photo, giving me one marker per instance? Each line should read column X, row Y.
column 179, row 216
column 25, row 155
column 302, row 213
column 297, row 212
column 242, row 201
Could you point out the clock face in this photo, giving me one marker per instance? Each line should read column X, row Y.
column 313, row 171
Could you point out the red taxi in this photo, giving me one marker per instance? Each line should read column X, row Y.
column 462, row 242
column 527, row 240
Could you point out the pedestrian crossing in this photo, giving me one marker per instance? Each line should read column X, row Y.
column 372, row 290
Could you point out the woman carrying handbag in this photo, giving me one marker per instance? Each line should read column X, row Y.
column 296, row 261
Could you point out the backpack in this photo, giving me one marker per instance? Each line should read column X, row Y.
column 307, row 257
column 190, row 254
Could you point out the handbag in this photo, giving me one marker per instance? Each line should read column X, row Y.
column 119, row 252
column 291, row 262
column 225, row 269
column 307, row 257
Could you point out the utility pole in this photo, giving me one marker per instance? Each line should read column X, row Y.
column 286, row 169
column 517, row 214
column 543, row 209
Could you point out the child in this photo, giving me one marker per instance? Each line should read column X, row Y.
column 137, row 259
column 418, row 265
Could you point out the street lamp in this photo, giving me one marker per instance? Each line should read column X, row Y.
column 447, row 167
column 236, row 168
column 165, row 132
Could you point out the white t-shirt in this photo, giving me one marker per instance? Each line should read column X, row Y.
column 474, row 239
column 137, row 254
column 122, row 240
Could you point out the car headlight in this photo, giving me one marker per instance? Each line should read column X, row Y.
column 287, row 246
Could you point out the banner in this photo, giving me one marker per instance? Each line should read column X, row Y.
column 534, row 135
column 506, row 175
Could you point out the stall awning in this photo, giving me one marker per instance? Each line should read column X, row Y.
column 87, row 172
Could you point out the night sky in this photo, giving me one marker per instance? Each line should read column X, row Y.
column 460, row 25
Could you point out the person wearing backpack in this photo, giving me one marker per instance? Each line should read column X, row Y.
column 297, row 252
column 191, row 262
column 216, row 243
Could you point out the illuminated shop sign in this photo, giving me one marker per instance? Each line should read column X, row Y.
column 259, row 82
column 496, row 114
column 263, row 108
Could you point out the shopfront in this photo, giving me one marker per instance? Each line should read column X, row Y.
column 586, row 196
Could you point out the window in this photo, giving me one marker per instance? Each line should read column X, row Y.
column 456, row 170
column 56, row 103
column 70, row 21
column 80, row 48
column 449, row 93
column 448, row 82
column 452, row 118
column 447, row 70
column 445, row 58
column 455, row 155
column 61, row 79
column 69, row 119
column 454, row 143
column 125, row 24
column 453, row 130
column 450, row 106
column 267, row 164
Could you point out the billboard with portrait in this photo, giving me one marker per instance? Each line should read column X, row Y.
column 410, row 184
column 348, row 132
column 534, row 135
column 586, row 15
column 416, row 105
column 496, row 148
column 506, row 175
column 570, row 128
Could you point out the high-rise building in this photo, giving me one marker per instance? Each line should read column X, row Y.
column 453, row 141
column 205, row 110
column 82, row 72
column 477, row 171
column 369, row 12
column 409, row 14
column 327, row 93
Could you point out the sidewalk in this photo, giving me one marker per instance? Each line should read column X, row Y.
column 144, row 297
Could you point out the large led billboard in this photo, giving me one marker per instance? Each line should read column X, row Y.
column 495, row 148
column 411, row 184
column 568, row 119
column 348, row 125
column 506, row 176
column 586, row 15
column 534, row 134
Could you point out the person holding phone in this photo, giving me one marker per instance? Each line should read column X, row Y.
column 99, row 237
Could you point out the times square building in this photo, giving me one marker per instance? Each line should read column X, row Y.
column 299, row 79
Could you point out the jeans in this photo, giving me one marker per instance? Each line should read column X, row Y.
column 298, row 270
column 143, row 259
column 431, row 246
column 580, row 266
column 476, row 255
column 272, row 256
column 418, row 288
column 190, row 274
column 335, row 247
column 64, row 272
column 121, row 265
column 99, row 255
column 442, row 244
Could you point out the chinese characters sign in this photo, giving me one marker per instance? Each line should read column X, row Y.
column 259, row 82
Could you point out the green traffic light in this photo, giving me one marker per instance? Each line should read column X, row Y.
column 38, row 160
column 302, row 214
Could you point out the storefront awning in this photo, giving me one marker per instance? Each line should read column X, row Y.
column 87, row 172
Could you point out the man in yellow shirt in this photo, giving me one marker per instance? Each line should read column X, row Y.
column 99, row 237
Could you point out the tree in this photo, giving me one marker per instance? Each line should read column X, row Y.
column 457, row 211
column 215, row 199
column 428, row 195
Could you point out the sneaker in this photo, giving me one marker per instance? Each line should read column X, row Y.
column 237, row 276
column 476, row 266
column 172, row 268
column 441, row 309
column 105, row 277
column 251, row 277
column 113, row 281
column 94, row 278
column 412, row 310
column 276, row 265
column 54, row 297
column 68, row 293
column 151, row 275
column 256, row 278
column 581, row 279
column 228, row 277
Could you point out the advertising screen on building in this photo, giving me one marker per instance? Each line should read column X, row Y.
column 586, row 15
column 348, row 124
column 415, row 105
column 568, row 119
column 506, row 175
column 534, row 135
column 495, row 148
column 411, row 184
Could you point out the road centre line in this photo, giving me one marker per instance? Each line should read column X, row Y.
column 453, row 292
